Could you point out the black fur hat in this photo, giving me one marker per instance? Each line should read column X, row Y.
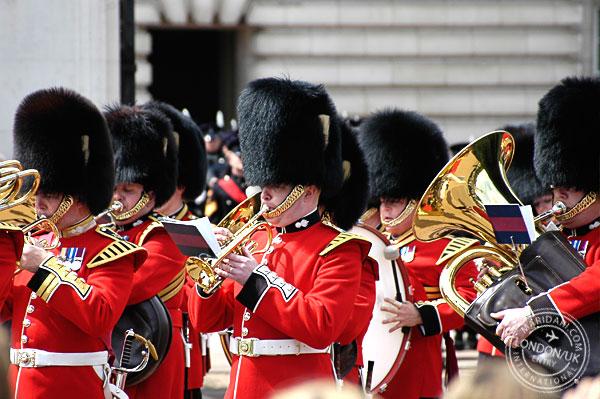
column 285, row 137
column 567, row 139
column 191, row 152
column 64, row 136
column 145, row 149
column 349, row 204
column 404, row 152
column 521, row 175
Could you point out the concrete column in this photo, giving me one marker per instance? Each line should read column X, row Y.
column 45, row 43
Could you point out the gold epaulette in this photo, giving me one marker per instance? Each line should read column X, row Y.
column 9, row 227
column 116, row 249
column 340, row 239
column 174, row 287
column 154, row 225
column 455, row 245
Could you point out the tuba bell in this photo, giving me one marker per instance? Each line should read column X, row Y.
column 455, row 200
column 242, row 221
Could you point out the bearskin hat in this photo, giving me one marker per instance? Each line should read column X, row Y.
column 191, row 152
column 404, row 153
column 348, row 205
column 521, row 175
column 65, row 137
column 289, row 134
column 145, row 149
column 567, row 139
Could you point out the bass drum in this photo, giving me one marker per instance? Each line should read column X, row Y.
column 386, row 350
column 151, row 320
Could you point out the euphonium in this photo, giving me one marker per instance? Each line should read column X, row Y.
column 456, row 200
column 242, row 221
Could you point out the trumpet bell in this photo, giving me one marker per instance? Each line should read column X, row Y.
column 242, row 222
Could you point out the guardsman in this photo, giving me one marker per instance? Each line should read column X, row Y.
column 404, row 152
column 567, row 150
column 146, row 177
column 288, row 305
column 191, row 179
column 66, row 301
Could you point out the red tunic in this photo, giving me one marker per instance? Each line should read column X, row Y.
column 162, row 274
column 57, row 311
column 361, row 316
column 11, row 247
column 303, row 292
column 420, row 374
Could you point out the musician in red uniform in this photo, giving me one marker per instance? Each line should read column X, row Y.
column 567, row 150
column 66, row 301
column 344, row 210
column 404, row 153
column 288, row 305
column 146, row 177
column 191, row 179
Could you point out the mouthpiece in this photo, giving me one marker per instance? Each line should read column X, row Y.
column 117, row 206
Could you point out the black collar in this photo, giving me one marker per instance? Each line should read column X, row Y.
column 302, row 223
column 582, row 230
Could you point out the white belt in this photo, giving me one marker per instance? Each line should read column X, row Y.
column 40, row 358
column 253, row 347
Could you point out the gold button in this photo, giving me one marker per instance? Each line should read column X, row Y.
column 24, row 339
column 244, row 332
column 30, row 309
column 246, row 316
column 33, row 295
column 26, row 323
column 244, row 347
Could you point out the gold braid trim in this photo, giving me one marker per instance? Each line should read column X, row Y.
column 60, row 275
column 581, row 206
column 142, row 202
column 286, row 204
column 173, row 288
column 63, row 208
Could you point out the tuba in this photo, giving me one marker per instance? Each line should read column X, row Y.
column 455, row 200
column 242, row 222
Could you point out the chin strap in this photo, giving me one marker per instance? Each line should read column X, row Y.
column 142, row 202
column 286, row 204
column 581, row 206
column 63, row 208
column 412, row 204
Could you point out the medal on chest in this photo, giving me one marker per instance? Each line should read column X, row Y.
column 71, row 258
column 407, row 253
column 580, row 246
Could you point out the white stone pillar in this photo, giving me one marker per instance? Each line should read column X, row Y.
column 45, row 43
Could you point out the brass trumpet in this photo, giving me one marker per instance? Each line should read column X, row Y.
column 242, row 221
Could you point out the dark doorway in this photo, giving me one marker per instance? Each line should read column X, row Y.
column 194, row 69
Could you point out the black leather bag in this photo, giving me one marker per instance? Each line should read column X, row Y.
column 548, row 262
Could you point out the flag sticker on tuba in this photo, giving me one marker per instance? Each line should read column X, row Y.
column 512, row 223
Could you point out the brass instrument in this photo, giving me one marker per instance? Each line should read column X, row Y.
column 242, row 222
column 455, row 201
column 107, row 215
column 11, row 181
